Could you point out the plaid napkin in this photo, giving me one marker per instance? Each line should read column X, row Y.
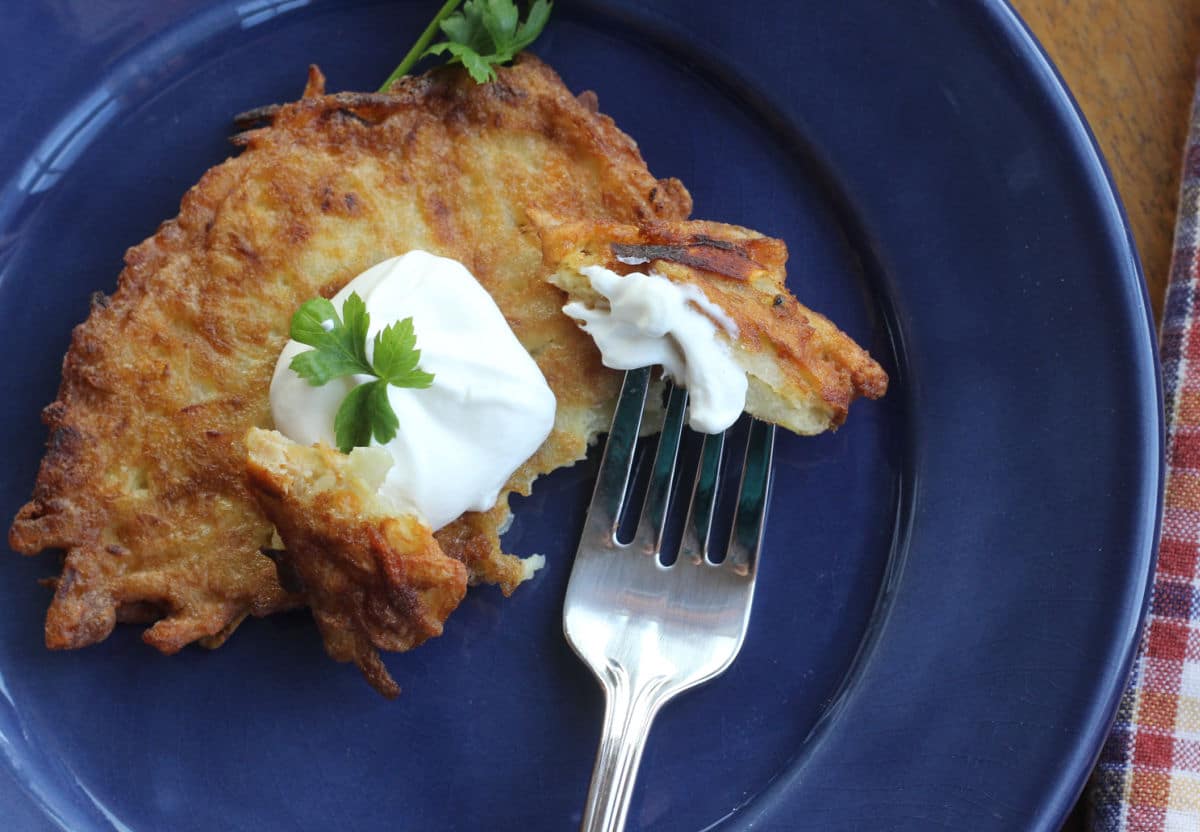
column 1148, row 778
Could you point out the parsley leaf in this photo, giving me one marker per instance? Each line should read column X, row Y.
column 486, row 33
column 340, row 349
column 352, row 424
column 308, row 324
column 481, row 36
column 365, row 411
column 397, row 356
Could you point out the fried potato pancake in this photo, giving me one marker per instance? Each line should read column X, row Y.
column 375, row 579
column 803, row 371
column 143, row 483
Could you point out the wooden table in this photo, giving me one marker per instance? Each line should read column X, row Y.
column 1131, row 65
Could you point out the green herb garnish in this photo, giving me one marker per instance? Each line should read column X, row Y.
column 483, row 35
column 340, row 349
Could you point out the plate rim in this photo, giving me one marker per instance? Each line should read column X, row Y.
column 1076, row 782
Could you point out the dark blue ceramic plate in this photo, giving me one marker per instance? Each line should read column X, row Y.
column 952, row 583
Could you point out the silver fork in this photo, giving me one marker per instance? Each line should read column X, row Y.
column 648, row 631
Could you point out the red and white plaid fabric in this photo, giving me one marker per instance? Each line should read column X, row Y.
column 1148, row 778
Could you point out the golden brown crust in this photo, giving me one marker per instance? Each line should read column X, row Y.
column 374, row 578
column 813, row 370
column 142, row 480
column 474, row 538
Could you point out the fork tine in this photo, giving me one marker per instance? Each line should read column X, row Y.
column 698, row 526
column 745, row 538
column 662, row 475
column 612, row 481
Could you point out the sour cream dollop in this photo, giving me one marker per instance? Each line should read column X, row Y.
column 651, row 320
column 488, row 409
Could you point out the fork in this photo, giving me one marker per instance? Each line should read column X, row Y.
column 646, row 630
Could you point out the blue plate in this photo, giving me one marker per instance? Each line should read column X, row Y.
column 951, row 586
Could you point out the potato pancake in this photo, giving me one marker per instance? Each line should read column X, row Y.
column 143, row 483
column 374, row 577
column 803, row 371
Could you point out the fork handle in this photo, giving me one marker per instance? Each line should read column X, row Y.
column 629, row 711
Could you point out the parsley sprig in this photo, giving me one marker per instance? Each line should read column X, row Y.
column 480, row 36
column 340, row 349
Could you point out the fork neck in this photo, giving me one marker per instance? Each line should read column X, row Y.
column 630, row 708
